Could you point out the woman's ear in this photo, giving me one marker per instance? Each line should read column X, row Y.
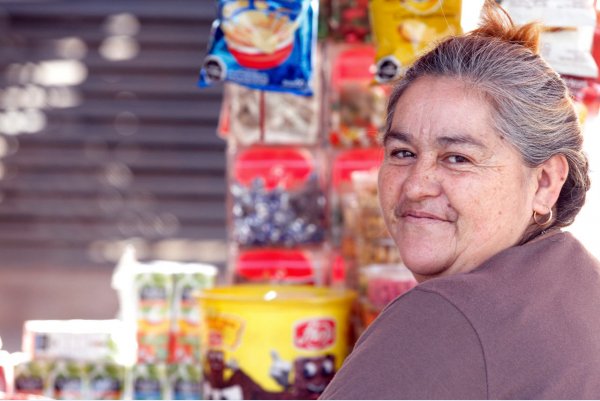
column 551, row 176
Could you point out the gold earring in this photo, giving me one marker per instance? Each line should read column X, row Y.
column 543, row 223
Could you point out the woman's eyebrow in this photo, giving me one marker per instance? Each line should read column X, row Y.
column 398, row 136
column 460, row 139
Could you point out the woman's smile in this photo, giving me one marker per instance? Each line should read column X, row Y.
column 416, row 216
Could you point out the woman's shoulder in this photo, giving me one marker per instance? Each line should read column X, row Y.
column 555, row 254
column 420, row 347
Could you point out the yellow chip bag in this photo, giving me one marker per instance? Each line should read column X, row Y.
column 403, row 29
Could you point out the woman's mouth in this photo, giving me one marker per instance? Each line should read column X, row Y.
column 422, row 215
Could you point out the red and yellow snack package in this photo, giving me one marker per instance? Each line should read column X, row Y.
column 403, row 29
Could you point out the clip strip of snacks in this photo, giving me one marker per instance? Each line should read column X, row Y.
column 301, row 173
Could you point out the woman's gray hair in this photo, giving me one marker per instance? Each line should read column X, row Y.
column 532, row 105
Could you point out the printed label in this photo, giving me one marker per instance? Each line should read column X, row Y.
column 314, row 334
column 224, row 331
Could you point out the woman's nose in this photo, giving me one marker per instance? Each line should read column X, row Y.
column 422, row 181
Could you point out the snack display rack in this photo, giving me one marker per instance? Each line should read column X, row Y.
column 310, row 263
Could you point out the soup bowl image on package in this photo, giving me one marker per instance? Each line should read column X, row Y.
column 259, row 35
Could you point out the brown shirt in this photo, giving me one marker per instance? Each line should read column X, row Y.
column 525, row 324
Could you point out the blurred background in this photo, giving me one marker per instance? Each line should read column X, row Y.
column 104, row 139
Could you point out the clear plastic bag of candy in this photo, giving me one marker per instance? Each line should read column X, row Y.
column 373, row 242
column 276, row 196
column 358, row 105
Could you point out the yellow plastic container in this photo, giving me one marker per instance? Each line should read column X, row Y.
column 265, row 342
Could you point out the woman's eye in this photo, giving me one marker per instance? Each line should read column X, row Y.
column 401, row 153
column 456, row 159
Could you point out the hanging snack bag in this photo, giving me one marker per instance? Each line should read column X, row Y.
column 286, row 118
column 358, row 106
column 404, row 29
column 567, row 33
column 263, row 44
column 350, row 20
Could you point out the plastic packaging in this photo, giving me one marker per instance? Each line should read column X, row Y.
column 149, row 382
column 350, row 20
column 285, row 118
column 105, row 381
column 185, row 381
column 263, row 44
column 30, row 377
column 568, row 32
column 276, row 196
column 373, row 242
column 345, row 207
column 66, row 380
column 358, row 106
column 72, row 359
column 156, row 307
column 188, row 282
column 83, row 340
column 379, row 285
column 404, row 29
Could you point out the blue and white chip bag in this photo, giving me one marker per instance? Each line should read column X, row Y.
column 263, row 44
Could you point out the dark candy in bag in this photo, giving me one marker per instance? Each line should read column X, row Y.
column 263, row 44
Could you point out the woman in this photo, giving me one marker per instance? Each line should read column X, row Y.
column 483, row 166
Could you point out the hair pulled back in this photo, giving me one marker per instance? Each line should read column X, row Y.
column 532, row 106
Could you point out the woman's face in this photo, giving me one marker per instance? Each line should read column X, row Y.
column 452, row 190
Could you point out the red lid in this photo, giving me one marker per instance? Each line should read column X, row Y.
column 285, row 166
column 274, row 263
column 354, row 64
column 361, row 159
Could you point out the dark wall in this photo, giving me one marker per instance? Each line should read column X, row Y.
column 104, row 140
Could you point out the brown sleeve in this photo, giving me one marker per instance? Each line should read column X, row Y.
column 420, row 347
